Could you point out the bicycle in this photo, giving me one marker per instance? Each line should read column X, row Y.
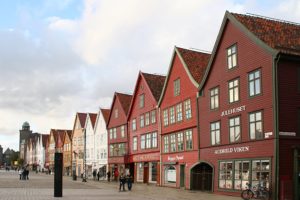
column 256, row 192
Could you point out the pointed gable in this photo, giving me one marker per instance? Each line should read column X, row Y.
column 125, row 100
column 82, row 118
column 93, row 117
column 280, row 35
column 105, row 113
column 155, row 83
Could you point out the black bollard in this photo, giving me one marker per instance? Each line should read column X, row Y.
column 58, row 166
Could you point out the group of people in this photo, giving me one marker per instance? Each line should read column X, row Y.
column 125, row 179
column 95, row 173
column 24, row 173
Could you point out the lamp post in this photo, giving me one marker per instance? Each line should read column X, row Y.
column 84, row 156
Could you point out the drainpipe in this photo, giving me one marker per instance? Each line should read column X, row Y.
column 198, row 126
column 276, row 126
column 160, row 144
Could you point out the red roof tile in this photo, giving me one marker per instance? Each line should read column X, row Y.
column 82, row 119
column 280, row 35
column 105, row 113
column 196, row 62
column 155, row 83
column 125, row 100
column 93, row 117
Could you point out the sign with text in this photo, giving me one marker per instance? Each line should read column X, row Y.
column 232, row 150
column 175, row 158
column 233, row 110
column 287, row 133
column 145, row 158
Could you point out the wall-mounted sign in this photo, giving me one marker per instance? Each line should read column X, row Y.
column 268, row 134
column 233, row 110
column 232, row 150
column 287, row 133
column 141, row 158
column 175, row 158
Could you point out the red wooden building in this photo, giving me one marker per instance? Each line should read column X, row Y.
column 178, row 116
column 143, row 128
column 249, row 108
column 117, row 134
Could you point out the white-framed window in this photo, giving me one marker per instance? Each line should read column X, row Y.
column 235, row 129
column 111, row 133
column 166, row 117
column 142, row 100
column 180, row 141
column 134, row 124
column 254, row 79
column 115, row 132
column 142, row 141
column 232, row 56
column 134, row 143
column 256, row 125
column 147, row 118
column 233, row 87
column 214, row 98
column 166, row 144
column 116, row 113
column 123, row 131
column 179, row 112
column 177, row 87
column 142, row 121
column 173, row 142
column 154, row 139
column 189, row 140
column 172, row 115
column 148, row 140
column 215, row 133
column 188, row 109
column 153, row 116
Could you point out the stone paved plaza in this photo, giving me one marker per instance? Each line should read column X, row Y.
column 40, row 187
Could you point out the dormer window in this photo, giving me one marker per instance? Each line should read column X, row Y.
column 116, row 113
column 142, row 100
column 232, row 56
column 177, row 87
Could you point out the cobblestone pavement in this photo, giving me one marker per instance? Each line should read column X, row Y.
column 40, row 187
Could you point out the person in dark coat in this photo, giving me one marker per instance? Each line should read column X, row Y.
column 98, row 175
column 122, row 182
column 108, row 176
column 94, row 175
column 129, row 180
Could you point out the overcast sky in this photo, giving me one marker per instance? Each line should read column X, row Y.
column 58, row 57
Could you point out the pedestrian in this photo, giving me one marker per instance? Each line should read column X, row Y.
column 27, row 174
column 20, row 173
column 122, row 182
column 94, row 175
column 108, row 176
column 129, row 180
column 116, row 174
column 98, row 175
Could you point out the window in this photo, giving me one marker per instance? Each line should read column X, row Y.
column 179, row 112
column 121, row 149
column 142, row 141
column 173, row 142
column 177, row 87
column 153, row 116
column 166, row 144
column 122, row 131
column 188, row 109
column 116, row 113
column 115, row 133
column 111, row 133
column 215, row 133
column 256, row 125
column 172, row 115
column 180, row 141
column 142, row 122
column 188, row 140
column 232, row 56
column 134, row 124
column 235, row 129
column 134, row 144
column 225, row 175
column 261, row 172
column 154, row 140
column 148, row 141
column 254, row 83
column 147, row 118
column 166, row 117
column 142, row 100
column 233, row 87
column 111, row 150
column 214, row 98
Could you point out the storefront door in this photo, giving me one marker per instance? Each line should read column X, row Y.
column 201, row 177
column 182, row 175
column 146, row 173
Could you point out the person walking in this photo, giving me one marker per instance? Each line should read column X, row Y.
column 20, row 173
column 94, row 175
column 122, row 182
column 108, row 176
column 129, row 180
column 98, row 175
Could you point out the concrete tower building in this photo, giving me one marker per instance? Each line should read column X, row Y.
column 24, row 134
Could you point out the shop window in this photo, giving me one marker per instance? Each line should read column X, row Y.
column 179, row 112
column 254, row 79
column 153, row 171
column 153, row 117
column 256, row 125
column 261, row 172
column 214, row 98
column 177, row 87
column 215, row 133
column 147, row 118
column 166, row 144
column 235, row 129
column 140, row 172
column 173, row 142
column 225, row 175
column 233, row 90
column 166, row 117
column 172, row 115
column 188, row 109
column 241, row 174
column 180, row 141
column 232, row 56
column 188, row 140
column 170, row 174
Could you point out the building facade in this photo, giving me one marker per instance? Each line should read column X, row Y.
column 117, row 135
column 143, row 127
column 23, row 136
column 249, row 108
column 67, row 153
column 56, row 144
column 178, row 116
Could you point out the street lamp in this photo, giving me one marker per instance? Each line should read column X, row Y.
column 84, row 156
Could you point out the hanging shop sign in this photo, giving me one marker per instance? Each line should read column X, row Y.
column 287, row 133
column 233, row 111
column 175, row 158
column 232, row 150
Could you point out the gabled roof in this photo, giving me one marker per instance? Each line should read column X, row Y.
column 59, row 134
column 105, row 113
column 82, row 118
column 280, row 35
column 272, row 35
column 93, row 117
column 194, row 62
column 125, row 100
column 69, row 132
column 45, row 138
column 155, row 83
